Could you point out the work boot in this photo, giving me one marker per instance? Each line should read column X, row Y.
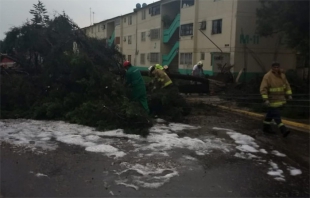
column 285, row 131
column 268, row 130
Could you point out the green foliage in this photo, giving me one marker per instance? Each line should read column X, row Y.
column 60, row 84
column 169, row 104
column 290, row 18
column 39, row 13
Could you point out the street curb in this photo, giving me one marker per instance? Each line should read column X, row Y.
column 290, row 124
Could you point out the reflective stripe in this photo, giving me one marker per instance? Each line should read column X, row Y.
column 167, row 83
column 289, row 92
column 281, row 124
column 277, row 104
column 265, row 96
column 278, row 89
column 265, row 122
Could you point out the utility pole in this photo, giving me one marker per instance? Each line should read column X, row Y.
column 90, row 15
column 93, row 17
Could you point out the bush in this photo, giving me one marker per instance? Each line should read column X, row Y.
column 169, row 104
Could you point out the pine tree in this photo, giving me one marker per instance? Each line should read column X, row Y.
column 39, row 13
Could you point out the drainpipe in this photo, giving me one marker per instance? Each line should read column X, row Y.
column 161, row 40
column 195, row 28
column 135, row 62
column 231, row 31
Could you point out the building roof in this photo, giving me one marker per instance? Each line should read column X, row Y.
column 135, row 10
column 2, row 56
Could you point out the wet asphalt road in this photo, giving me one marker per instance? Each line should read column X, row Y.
column 73, row 172
column 83, row 175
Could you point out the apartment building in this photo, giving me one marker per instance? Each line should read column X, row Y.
column 179, row 33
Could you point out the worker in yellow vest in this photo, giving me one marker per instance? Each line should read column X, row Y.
column 275, row 89
column 159, row 66
column 161, row 79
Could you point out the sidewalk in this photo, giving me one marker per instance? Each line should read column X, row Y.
column 215, row 101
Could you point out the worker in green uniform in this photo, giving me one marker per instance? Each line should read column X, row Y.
column 135, row 81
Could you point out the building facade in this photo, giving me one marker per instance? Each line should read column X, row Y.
column 179, row 33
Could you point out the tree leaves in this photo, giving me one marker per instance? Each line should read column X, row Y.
column 39, row 14
column 290, row 18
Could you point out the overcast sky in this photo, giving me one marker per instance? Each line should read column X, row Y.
column 15, row 12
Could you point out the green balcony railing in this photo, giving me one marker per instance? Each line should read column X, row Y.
column 167, row 59
column 111, row 40
column 169, row 32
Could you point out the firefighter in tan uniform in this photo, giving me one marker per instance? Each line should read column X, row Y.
column 275, row 89
column 161, row 79
column 162, row 86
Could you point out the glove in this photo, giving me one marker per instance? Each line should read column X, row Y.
column 267, row 103
column 290, row 98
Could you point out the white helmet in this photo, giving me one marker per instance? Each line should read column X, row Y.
column 151, row 67
column 199, row 63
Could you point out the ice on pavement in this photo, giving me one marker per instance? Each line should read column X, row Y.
column 294, row 171
column 277, row 153
column 106, row 149
column 263, row 151
column 245, row 142
column 246, row 155
column 119, row 182
column 275, row 171
column 146, row 176
column 41, row 175
column 162, row 137
column 247, row 145
column 162, row 140
column 38, row 174
column 247, row 148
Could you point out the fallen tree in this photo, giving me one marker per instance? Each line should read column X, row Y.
column 60, row 82
column 64, row 75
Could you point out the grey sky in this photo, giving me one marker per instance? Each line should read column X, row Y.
column 15, row 12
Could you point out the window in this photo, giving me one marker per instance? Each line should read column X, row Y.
column 154, row 57
column 103, row 26
column 124, row 57
column 117, row 22
column 143, row 14
column 202, row 56
column 124, row 19
column 187, row 3
column 98, row 28
column 155, row 10
column 129, row 58
column 186, row 29
column 118, row 40
column 186, row 58
column 155, row 34
column 142, row 58
column 217, row 26
column 130, row 20
column 129, row 39
column 142, row 36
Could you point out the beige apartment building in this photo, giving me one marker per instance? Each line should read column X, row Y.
column 179, row 33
